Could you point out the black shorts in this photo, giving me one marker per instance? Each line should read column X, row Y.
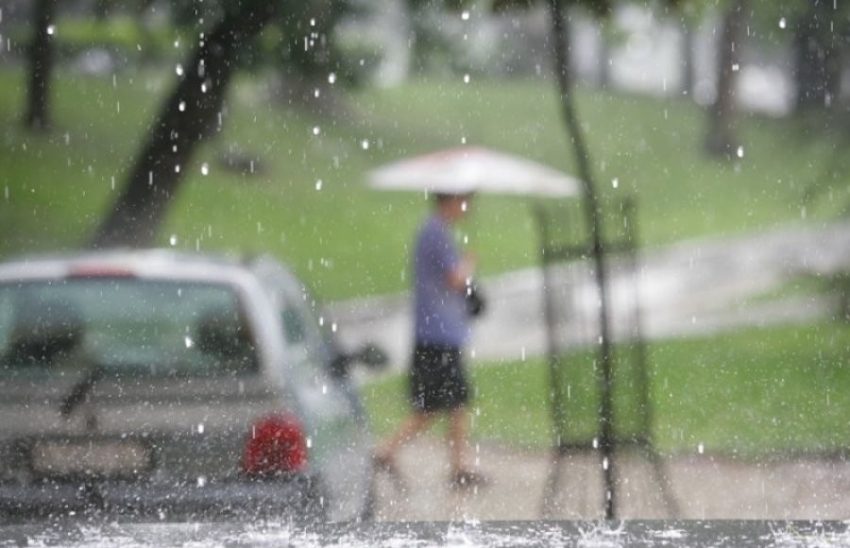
column 437, row 378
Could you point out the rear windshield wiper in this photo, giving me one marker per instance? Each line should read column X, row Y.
column 80, row 390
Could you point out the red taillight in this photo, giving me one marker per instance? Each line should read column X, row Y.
column 276, row 445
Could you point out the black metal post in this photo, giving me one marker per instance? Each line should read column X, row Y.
column 593, row 210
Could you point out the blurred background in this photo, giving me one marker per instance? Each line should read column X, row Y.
column 246, row 127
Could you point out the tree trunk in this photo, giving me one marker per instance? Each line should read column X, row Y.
column 593, row 210
column 190, row 114
column 688, row 82
column 40, row 51
column 817, row 59
column 604, row 49
column 722, row 137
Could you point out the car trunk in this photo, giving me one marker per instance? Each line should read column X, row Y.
column 116, row 386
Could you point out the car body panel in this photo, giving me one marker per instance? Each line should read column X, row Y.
column 195, row 426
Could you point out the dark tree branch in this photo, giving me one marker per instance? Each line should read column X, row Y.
column 722, row 137
column 189, row 115
column 37, row 115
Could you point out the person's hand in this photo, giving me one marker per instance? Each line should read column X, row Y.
column 467, row 265
column 458, row 278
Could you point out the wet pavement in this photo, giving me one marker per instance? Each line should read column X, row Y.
column 738, row 533
column 703, row 487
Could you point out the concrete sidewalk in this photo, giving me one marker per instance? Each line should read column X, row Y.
column 704, row 487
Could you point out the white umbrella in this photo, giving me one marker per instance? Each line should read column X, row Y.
column 473, row 169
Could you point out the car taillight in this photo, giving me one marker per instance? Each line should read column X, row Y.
column 275, row 446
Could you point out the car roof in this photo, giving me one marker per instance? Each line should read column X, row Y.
column 144, row 263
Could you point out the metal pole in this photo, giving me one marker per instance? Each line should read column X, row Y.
column 555, row 399
column 593, row 210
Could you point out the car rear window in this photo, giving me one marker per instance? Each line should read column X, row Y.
column 124, row 326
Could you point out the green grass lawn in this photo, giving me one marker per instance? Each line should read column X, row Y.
column 749, row 393
column 348, row 241
column 754, row 391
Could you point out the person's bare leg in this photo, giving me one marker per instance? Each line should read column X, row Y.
column 457, row 437
column 413, row 425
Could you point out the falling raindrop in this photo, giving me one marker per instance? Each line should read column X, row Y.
column 782, row 23
column 179, row 69
column 316, row 93
column 319, row 184
column 364, row 144
column 205, row 169
column 200, row 428
column 316, row 130
column 332, row 78
column 466, row 78
column 51, row 29
column 333, row 327
column 182, row 106
column 202, row 481
column 736, row 67
column 701, row 448
column 112, row 182
column 173, row 239
column 203, row 87
column 187, row 340
column 465, row 15
column 177, row 168
column 740, row 152
column 615, row 182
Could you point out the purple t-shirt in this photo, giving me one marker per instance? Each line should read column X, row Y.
column 439, row 311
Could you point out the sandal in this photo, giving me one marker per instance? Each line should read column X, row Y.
column 466, row 479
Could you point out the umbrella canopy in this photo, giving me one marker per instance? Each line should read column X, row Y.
column 464, row 170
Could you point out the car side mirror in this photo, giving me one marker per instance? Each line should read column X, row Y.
column 370, row 355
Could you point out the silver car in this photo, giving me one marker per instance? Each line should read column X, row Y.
column 171, row 386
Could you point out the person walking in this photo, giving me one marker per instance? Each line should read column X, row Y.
column 438, row 381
